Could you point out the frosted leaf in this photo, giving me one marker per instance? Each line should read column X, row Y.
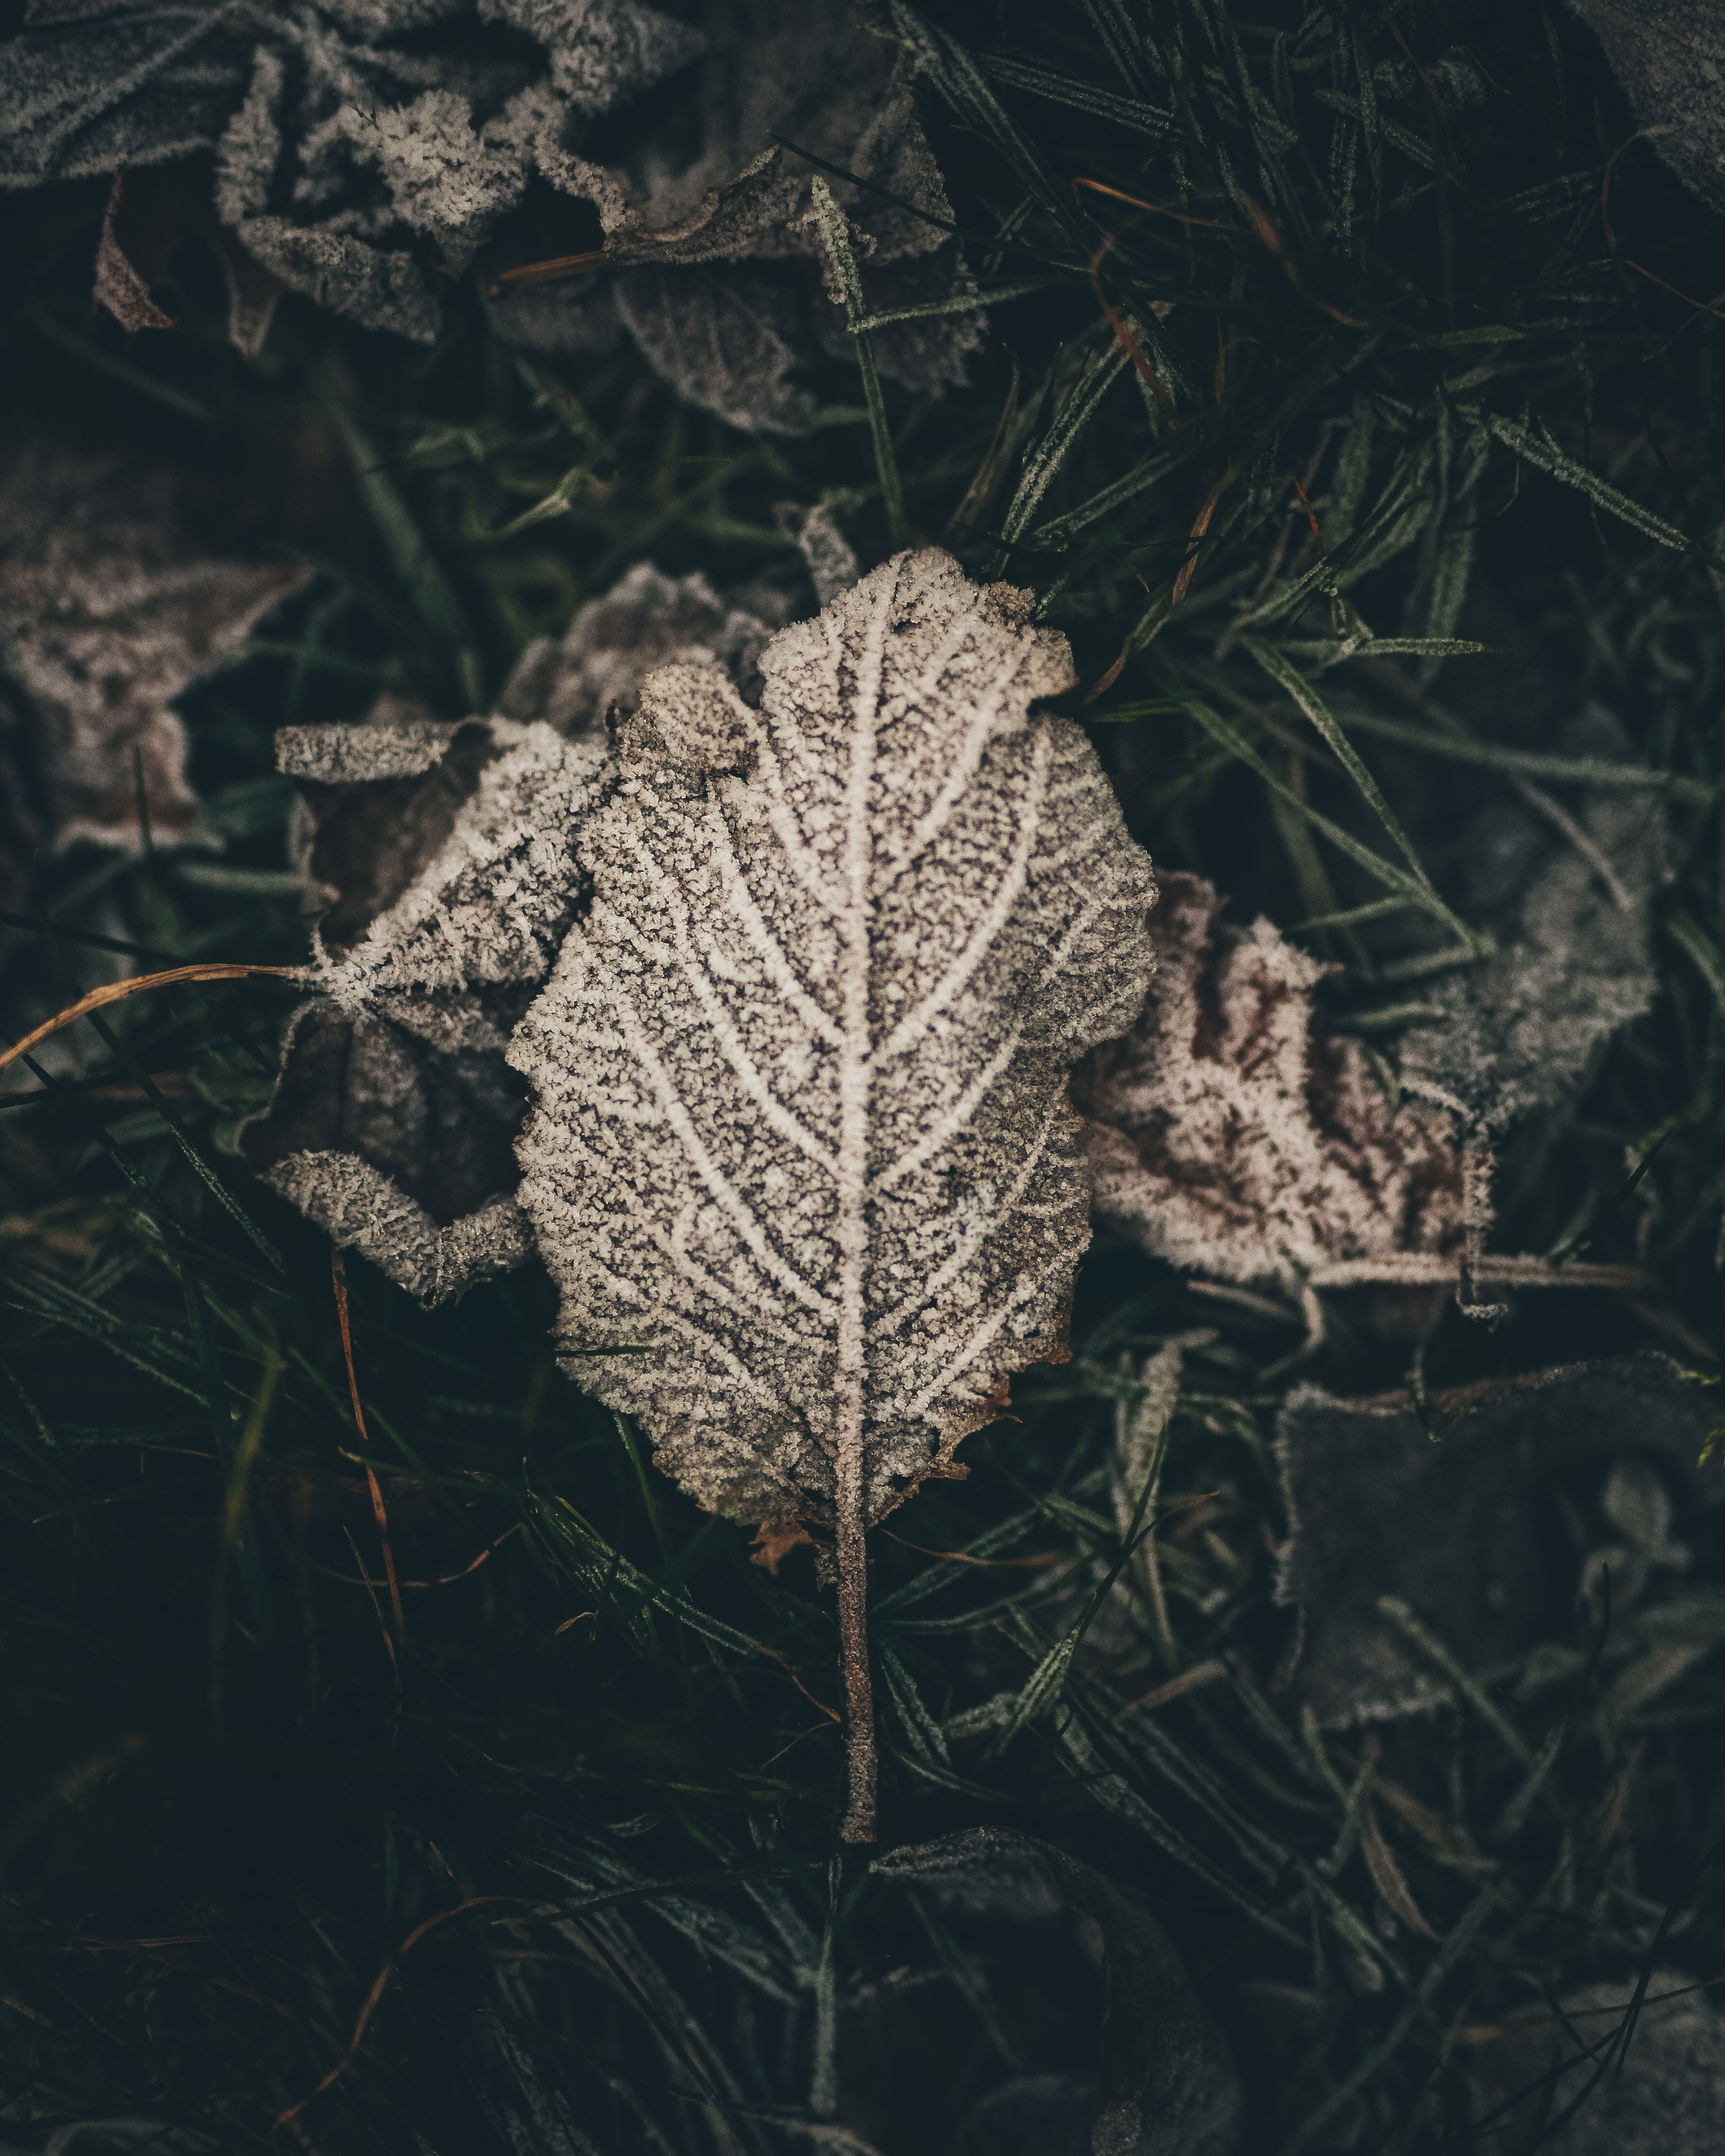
column 363, row 150
column 1232, row 1134
column 802, row 71
column 1662, row 2093
column 800, row 1124
column 601, row 55
column 830, row 556
column 1520, row 1033
column 646, row 620
column 724, row 338
column 382, row 287
column 1465, row 1532
column 395, row 1152
column 143, row 85
column 447, row 851
column 453, row 879
column 109, row 607
column 1670, row 57
column 1162, row 2082
column 489, row 907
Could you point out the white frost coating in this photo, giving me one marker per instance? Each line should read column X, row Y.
column 800, row 1123
column 800, row 1128
column 346, row 755
column 1520, row 1033
column 646, row 620
column 360, row 1208
column 490, row 908
column 1231, row 1136
column 363, row 1109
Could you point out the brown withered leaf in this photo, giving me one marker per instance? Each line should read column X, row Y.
column 1230, row 1133
column 800, row 1124
column 109, row 607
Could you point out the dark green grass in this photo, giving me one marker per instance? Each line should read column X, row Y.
column 548, row 1861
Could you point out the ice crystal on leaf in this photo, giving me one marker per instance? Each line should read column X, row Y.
column 800, row 1155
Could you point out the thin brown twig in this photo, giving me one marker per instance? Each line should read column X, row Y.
column 1485, row 2032
column 443, row 1579
column 547, row 272
column 114, row 992
column 380, row 1984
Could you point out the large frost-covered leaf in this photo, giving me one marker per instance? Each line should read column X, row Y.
column 817, row 1025
column 1232, row 1133
column 800, row 1155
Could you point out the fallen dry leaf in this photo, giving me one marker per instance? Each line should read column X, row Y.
column 446, row 851
column 1465, row 1532
column 1161, row 2081
column 800, row 1123
column 109, row 607
column 1669, row 55
column 1230, row 1133
column 1569, row 910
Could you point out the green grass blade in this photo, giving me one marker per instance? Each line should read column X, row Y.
column 1408, row 887
column 834, row 228
column 1300, row 691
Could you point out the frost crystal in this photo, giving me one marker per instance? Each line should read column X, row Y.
column 1232, row 1134
column 800, row 1128
column 363, row 154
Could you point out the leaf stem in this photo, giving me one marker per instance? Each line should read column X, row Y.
column 853, row 1559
